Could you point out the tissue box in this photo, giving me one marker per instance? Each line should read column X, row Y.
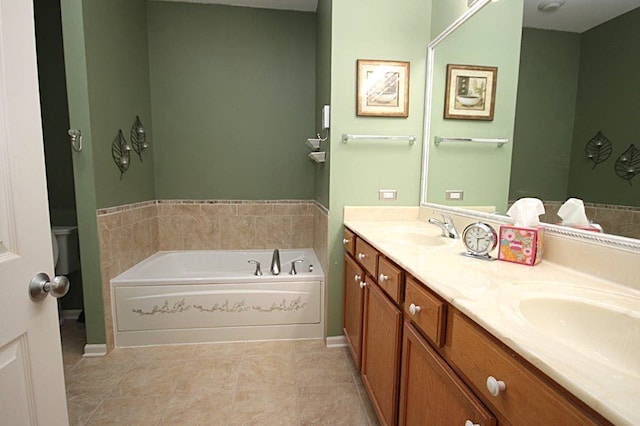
column 521, row 245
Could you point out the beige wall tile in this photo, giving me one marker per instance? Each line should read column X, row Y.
column 255, row 209
column 302, row 231
column 273, row 231
column 293, row 209
column 237, row 232
column 219, row 209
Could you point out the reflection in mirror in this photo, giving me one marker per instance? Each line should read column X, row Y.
column 480, row 170
column 579, row 69
column 573, row 83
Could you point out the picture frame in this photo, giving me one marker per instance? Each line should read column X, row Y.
column 382, row 88
column 470, row 92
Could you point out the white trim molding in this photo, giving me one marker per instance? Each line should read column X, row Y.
column 336, row 342
column 94, row 350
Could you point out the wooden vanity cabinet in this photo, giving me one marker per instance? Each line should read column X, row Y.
column 434, row 369
column 528, row 397
column 354, row 283
column 381, row 352
column 349, row 242
column 430, row 392
column 373, row 323
column 425, row 310
column 367, row 256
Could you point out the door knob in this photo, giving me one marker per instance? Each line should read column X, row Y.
column 41, row 285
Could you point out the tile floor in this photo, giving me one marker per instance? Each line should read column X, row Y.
column 253, row 383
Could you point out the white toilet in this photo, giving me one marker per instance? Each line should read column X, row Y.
column 66, row 253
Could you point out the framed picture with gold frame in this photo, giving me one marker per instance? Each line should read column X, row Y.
column 470, row 92
column 382, row 88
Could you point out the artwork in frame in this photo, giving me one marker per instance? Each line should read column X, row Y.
column 470, row 92
column 383, row 88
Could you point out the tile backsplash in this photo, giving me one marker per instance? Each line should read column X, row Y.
column 129, row 234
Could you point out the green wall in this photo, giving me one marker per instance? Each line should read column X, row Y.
column 118, row 70
column 360, row 169
column 607, row 101
column 233, row 99
column 444, row 13
column 482, row 171
column 323, row 94
column 547, row 90
column 106, row 62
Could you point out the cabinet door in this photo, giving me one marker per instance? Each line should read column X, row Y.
column 353, row 306
column 381, row 352
column 430, row 392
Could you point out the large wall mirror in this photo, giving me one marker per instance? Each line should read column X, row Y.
column 563, row 76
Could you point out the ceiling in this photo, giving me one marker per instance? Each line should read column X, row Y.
column 300, row 5
column 576, row 15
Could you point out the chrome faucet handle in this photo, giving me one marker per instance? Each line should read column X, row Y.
column 257, row 272
column 293, row 267
column 446, row 218
column 275, row 263
column 446, row 226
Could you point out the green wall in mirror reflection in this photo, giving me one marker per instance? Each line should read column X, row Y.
column 481, row 171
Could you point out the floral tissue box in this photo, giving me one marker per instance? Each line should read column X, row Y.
column 521, row 245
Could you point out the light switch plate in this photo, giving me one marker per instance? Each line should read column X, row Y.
column 454, row 195
column 387, row 194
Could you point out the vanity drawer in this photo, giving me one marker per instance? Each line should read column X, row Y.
column 425, row 310
column 390, row 279
column 349, row 241
column 526, row 399
column 367, row 256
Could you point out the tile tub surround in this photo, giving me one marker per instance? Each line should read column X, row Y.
column 129, row 234
column 480, row 290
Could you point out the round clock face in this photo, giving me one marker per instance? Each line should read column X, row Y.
column 479, row 238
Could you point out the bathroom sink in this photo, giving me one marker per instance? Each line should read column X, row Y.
column 413, row 237
column 602, row 325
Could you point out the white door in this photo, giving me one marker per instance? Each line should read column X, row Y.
column 31, row 376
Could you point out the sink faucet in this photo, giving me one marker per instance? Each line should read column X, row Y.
column 275, row 262
column 446, row 225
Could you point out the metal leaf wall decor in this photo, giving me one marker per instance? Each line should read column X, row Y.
column 121, row 152
column 138, row 137
column 598, row 149
column 628, row 164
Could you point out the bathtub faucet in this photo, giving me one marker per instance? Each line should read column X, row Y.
column 257, row 271
column 275, row 262
column 293, row 267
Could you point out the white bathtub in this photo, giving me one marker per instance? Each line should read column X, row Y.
column 209, row 296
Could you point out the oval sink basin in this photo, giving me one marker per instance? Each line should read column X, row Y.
column 410, row 236
column 604, row 326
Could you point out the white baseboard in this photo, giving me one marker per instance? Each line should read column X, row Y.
column 71, row 313
column 336, row 342
column 91, row 351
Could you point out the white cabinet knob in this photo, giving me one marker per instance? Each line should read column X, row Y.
column 382, row 278
column 495, row 386
column 357, row 278
column 413, row 309
column 363, row 284
column 470, row 423
column 361, row 256
column 345, row 241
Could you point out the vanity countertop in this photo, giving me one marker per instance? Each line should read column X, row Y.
column 488, row 292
